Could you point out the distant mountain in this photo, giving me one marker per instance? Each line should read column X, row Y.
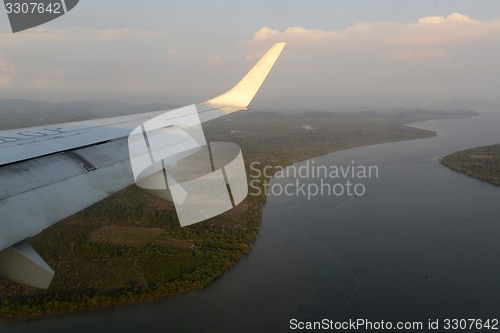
column 425, row 113
column 468, row 103
column 18, row 113
column 23, row 113
column 319, row 114
column 260, row 114
column 374, row 113
column 421, row 113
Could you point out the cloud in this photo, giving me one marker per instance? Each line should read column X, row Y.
column 421, row 54
column 214, row 59
column 442, row 57
column 44, row 35
column 172, row 53
column 434, row 57
column 429, row 38
column 50, row 80
column 115, row 34
column 80, row 61
column 452, row 18
column 428, row 30
column 265, row 33
column 7, row 73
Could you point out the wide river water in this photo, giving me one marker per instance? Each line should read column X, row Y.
column 422, row 243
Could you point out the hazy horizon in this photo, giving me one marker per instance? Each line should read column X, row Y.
column 345, row 55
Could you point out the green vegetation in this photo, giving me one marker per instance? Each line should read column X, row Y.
column 482, row 163
column 130, row 247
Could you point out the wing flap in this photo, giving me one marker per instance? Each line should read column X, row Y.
column 20, row 263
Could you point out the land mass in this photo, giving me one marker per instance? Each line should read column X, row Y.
column 482, row 163
column 130, row 247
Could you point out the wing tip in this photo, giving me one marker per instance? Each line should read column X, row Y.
column 243, row 93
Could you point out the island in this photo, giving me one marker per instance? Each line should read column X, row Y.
column 482, row 163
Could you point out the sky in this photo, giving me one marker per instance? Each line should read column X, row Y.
column 343, row 54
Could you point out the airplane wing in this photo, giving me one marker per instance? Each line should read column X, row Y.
column 49, row 173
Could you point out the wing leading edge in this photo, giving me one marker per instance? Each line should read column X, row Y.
column 49, row 173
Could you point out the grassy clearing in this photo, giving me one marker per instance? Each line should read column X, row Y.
column 127, row 236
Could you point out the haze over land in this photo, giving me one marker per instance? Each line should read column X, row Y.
column 19, row 113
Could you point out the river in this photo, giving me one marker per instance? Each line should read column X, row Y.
column 421, row 243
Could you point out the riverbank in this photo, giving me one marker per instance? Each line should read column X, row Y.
column 105, row 255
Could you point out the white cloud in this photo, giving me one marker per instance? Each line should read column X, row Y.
column 452, row 18
column 453, row 28
column 450, row 56
column 265, row 33
column 434, row 57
